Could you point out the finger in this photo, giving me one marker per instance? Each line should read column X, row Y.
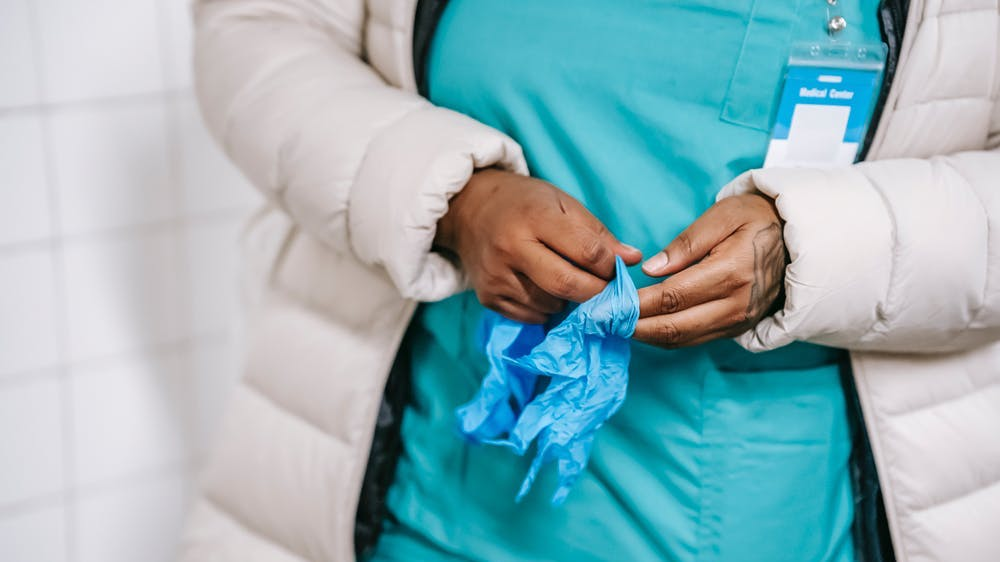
column 524, row 291
column 696, row 241
column 578, row 236
column 692, row 326
column 556, row 276
column 585, row 248
column 517, row 311
column 722, row 275
column 693, row 286
column 629, row 254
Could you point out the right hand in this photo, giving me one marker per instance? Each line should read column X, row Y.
column 527, row 246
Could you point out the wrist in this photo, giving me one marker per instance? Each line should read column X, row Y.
column 461, row 204
column 444, row 236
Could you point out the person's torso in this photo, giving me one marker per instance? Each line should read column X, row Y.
column 642, row 111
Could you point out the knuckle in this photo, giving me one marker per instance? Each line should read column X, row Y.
column 502, row 247
column 667, row 334
column 600, row 230
column 593, row 251
column 740, row 319
column 564, row 285
column 487, row 299
column 733, row 209
column 670, row 301
column 733, row 283
column 742, row 277
column 685, row 243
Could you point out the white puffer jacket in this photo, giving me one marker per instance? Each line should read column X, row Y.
column 897, row 259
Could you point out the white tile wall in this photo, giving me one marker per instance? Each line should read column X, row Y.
column 211, row 251
column 111, row 166
column 178, row 40
column 17, row 55
column 29, row 330
column 122, row 293
column 135, row 521
column 99, row 48
column 31, row 440
column 118, row 279
column 24, row 197
column 37, row 535
column 131, row 414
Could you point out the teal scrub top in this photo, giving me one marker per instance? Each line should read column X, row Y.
column 642, row 110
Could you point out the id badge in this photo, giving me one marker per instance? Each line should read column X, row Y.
column 826, row 104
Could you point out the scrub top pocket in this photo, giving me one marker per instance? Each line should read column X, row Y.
column 756, row 82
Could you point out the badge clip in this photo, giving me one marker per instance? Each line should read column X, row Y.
column 826, row 104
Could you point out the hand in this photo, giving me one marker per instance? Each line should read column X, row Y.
column 739, row 258
column 527, row 246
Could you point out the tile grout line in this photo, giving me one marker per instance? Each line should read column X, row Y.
column 62, row 338
column 19, row 507
column 163, row 43
column 150, row 227
column 96, row 102
column 15, row 379
column 180, row 467
column 209, row 339
column 185, row 314
column 61, row 297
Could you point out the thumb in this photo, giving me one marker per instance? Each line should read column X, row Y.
column 694, row 243
column 629, row 254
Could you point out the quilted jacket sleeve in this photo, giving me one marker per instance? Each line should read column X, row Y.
column 360, row 165
column 893, row 255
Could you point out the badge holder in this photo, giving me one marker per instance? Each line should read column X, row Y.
column 826, row 104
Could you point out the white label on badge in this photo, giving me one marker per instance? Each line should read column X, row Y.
column 822, row 116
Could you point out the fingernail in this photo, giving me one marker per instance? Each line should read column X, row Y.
column 632, row 248
column 655, row 263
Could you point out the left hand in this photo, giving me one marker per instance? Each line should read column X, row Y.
column 738, row 272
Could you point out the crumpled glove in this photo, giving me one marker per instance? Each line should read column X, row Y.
column 582, row 364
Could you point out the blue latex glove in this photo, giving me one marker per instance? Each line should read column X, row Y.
column 585, row 362
column 506, row 389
